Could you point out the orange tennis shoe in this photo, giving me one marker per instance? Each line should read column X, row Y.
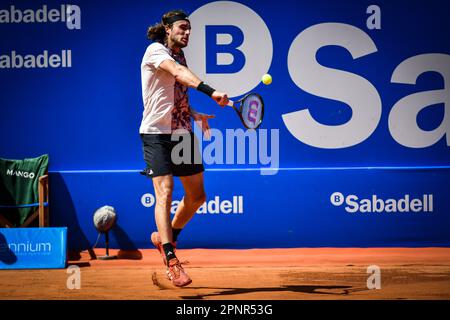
column 176, row 273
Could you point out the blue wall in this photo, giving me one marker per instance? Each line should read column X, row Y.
column 358, row 105
column 292, row 208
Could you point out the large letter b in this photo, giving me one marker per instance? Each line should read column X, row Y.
column 223, row 55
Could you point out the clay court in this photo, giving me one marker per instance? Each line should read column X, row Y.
column 256, row 274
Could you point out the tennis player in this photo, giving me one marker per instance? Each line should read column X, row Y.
column 166, row 121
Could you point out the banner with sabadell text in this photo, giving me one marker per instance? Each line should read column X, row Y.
column 353, row 149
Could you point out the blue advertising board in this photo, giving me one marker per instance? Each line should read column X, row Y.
column 33, row 248
column 244, row 209
column 359, row 96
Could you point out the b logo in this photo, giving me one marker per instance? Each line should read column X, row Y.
column 337, row 199
column 148, row 200
column 230, row 51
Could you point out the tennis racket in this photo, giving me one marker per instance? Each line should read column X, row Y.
column 250, row 110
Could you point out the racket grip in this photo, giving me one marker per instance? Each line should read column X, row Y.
column 230, row 103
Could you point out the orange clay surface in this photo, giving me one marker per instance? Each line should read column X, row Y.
column 255, row 274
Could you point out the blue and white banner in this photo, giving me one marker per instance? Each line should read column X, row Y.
column 244, row 209
column 354, row 84
column 33, row 248
column 360, row 96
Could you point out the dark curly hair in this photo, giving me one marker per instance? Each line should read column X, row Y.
column 157, row 32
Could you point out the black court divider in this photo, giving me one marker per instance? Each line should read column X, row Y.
column 227, row 309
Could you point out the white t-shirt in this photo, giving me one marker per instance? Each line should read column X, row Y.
column 157, row 91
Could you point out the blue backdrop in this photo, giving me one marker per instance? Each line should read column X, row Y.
column 358, row 105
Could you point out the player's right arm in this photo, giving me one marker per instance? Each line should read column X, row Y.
column 181, row 74
column 186, row 77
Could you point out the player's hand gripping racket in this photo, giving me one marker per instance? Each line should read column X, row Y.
column 250, row 110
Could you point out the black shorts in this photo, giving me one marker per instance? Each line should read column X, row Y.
column 176, row 154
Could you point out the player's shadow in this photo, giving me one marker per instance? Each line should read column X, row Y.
column 309, row 289
column 82, row 264
column 61, row 201
column 128, row 249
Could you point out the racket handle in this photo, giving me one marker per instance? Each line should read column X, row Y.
column 230, row 103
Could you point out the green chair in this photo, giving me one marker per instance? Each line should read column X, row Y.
column 24, row 192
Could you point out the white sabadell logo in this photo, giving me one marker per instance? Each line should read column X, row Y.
column 376, row 204
column 24, row 174
column 214, row 206
column 66, row 13
column 14, row 60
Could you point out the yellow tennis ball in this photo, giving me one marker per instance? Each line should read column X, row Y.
column 267, row 79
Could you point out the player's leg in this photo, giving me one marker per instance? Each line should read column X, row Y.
column 161, row 239
column 157, row 149
column 193, row 185
column 163, row 186
column 163, row 190
column 191, row 176
column 194, row 197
